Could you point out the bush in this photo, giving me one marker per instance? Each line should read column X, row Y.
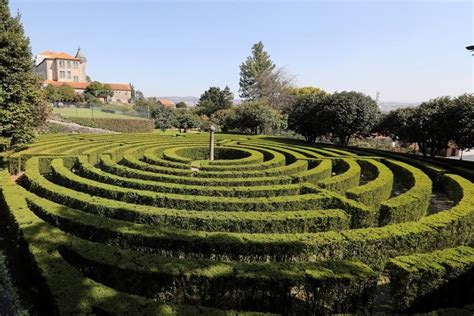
column 117, row 125
column 433, row 280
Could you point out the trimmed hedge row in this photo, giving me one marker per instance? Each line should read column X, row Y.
column 69, row 290
column 65, row 177
column 85, row 169
column 348, row 178
column 429, row 280
column 262, row 252
column 297, row 166
column 378, row 189
column 339, row 286
column 371, row 245
column 110, row 166
column 413, row 203
column 301, row 221
column 117, row 125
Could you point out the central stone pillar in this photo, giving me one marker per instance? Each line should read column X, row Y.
column 211, row 142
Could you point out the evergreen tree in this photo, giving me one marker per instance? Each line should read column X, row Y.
column 257, row 65
column 22, row 103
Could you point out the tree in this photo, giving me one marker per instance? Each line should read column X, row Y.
column 186, row 119
column 254, row 118
column 350, row 114
column 164, row 117
column 22, row 103
column 181, row 105
column 306, row 91
column 397, row 124
column 463, row 115
column 434, row 125
column 307, row 116
column 256, row 65
column 147, row 105
column 99, row 90
column 63, row 93
column 429, row 125
column 215, row 99
column 52, row 93
column 273, row 88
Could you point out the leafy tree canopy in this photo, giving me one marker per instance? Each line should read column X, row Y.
column 186, row 119
column 254, row 118
column 307, row 116
column 164, row 117
column 62, row 93
column 99, row 90
column 22, row 102
column 181, row 105
column 215, row 99
column 350, row 113
column 305, row 91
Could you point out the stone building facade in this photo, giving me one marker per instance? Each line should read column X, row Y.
column 63, row 69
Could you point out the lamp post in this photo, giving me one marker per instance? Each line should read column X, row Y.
column 471, row 49
column 211, row 142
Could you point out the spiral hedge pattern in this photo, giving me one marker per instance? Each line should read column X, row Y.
column 145, row 224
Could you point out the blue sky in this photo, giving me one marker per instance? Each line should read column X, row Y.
column 409, row 51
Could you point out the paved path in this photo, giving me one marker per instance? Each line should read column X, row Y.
column 76, row 128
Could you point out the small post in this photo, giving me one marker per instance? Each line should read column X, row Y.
column 211, row 142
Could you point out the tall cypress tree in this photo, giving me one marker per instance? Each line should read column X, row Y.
column 22, row 103
column 256, row 65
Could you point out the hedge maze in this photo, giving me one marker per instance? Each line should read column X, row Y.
column 145, row 224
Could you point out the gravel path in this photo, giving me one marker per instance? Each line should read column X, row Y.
column 76, row 128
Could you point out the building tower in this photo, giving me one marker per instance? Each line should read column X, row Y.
column 82, row 65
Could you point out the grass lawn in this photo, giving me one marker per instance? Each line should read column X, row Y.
column 81, row 112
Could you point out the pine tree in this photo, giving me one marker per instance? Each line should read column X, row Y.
column 255, row 66
column 22, row 103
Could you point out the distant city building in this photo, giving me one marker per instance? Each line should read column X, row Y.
column 61, row 68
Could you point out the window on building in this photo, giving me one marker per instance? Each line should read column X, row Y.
column 62, row 74
column 69, row 75
column 75, row 64
column 68, row 64
column 61, row 64
column 76, row 79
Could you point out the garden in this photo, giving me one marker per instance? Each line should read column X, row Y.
column 146, row 224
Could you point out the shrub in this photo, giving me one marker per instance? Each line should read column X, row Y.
column 117, row 125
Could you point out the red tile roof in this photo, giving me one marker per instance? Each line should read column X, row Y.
column 60, row 55
column 83, row 85
column 166, row 102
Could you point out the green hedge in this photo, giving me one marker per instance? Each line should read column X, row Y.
column 348, row 177
column 117, row 125
column 443, row 278
column 339, row 286
column 412, row 204
column 371, row 245
column 71, row 292
column 108, row 165
column 288, row 221
column 378, row 189
column 85, row 169
column 64, row 176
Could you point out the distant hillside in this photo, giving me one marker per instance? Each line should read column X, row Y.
column 390, row 106
column 384, row 106
column 190, row 101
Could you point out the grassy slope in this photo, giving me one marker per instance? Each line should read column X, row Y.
column 81, row 112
